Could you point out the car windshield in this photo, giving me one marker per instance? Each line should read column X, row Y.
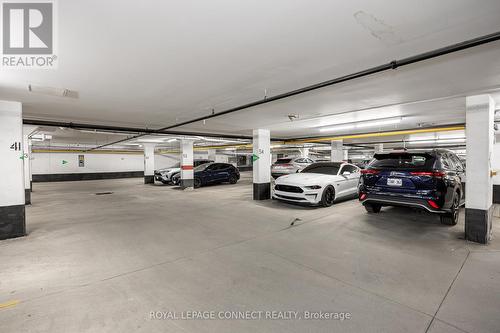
column 402, row 161
column 283, row 161
column 323, row 169
column 202, row 167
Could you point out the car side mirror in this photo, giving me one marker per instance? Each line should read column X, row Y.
column 346, row 173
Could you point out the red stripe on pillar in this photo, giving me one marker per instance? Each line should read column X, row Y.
column 187, row 167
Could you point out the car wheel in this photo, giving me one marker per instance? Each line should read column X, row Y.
column 233, row 179
column 175, row 180
column 373, row 208
column 328, row 196
column 197, row 182
column 451, row 218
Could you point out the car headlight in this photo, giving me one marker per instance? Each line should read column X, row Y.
column 313, row 187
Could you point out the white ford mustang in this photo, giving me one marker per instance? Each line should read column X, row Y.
column 320, row 183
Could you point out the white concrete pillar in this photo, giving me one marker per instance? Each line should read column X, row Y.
column 149, row 162
column 212, row 154
column 261, row 164
column 12, row 209
column 379, row 148
column 479, row 116
column 346, row 154
column 187, row 173
column 304, row 152
column 337, row 154
column 28, row 130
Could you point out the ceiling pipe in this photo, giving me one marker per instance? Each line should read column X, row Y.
column 130, row 130
column 392, row 65
column 119, row 129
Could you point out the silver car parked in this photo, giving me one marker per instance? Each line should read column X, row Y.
column 289, row 165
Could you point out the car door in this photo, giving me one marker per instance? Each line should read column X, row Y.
column 210, row 173
column 223, row 172
column 351, row 174
column 354, row 179
column 460, row 170
column 343, row 182
column 450, row 179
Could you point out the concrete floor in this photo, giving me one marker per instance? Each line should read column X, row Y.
column 103, row 263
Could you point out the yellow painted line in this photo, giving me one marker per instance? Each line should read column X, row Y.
column 9, row 304
column 249, row 145
column 88, row 152
column 380, row 134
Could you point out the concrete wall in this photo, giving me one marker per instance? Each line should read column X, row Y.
column 60, row 163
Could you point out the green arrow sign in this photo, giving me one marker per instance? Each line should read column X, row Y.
column 254, row 158
column 64, row 162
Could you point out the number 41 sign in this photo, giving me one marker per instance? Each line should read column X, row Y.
column 16, row 146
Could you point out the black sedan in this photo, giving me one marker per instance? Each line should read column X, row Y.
column 213, row 173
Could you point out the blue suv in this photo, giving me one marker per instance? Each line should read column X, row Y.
column 433, row 180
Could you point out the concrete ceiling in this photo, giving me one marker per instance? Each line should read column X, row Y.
column 151, row 63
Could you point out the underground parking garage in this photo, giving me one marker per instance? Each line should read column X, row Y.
column 271, row 167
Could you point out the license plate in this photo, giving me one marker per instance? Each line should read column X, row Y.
column 394, row 182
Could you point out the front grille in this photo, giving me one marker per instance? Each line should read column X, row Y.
column 290, row 198
column 288, row 188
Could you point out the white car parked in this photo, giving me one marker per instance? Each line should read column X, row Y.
column 165, row 175
column 319, row 184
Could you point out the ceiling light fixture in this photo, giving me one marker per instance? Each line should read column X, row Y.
column 438, row 141
column 364, row 124
column 51, row 91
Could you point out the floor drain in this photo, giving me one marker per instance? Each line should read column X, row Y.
column 103, row 193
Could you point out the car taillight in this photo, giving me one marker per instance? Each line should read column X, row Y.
column 435, row 174
column 433, row 204
column 369, row 172
column 362, row 196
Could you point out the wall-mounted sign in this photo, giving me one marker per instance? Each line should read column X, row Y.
column 81, row 161
column 16, row 146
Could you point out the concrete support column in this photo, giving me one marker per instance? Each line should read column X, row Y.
column 12, row 209
column 337, row 154
column 27, row 132
column 149, row 163
column 304, row 152
column 479, row 116
column 187, row 173
column 211, row 154
column 261, row 164
column 379, row 148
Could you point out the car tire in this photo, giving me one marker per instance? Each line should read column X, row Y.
column 373, row 208
column 328, row 196
column 175, row 180
column 233, row 179
column 451, row 218
column 197, row 182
